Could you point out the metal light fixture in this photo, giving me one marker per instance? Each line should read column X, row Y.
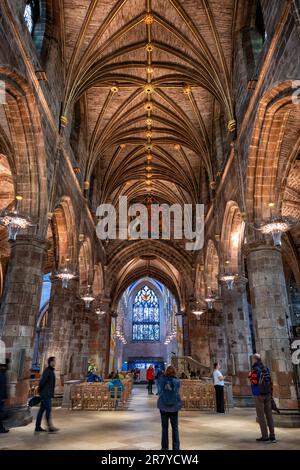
column 65, row 276
column 100, row 312
column 88, row 297
column 14, row 220
column 210, row 300
column 276, row 227
column 198, row 313
column 228, row 279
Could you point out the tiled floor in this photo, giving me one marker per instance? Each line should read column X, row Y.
column 139, row 428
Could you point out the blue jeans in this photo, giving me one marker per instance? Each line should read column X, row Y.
column 46, row 404
column 165, row 416
column 157, row 386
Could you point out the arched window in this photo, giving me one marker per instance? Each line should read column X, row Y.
column 145, row 317
column 31, row 14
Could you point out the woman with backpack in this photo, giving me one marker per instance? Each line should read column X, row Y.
column 169, row 404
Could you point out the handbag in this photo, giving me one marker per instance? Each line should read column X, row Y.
column 274, row 406
column 34, row 401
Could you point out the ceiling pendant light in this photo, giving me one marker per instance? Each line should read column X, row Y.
column 88, row 297
column 210, row 300
column 276, row 227
column 65, row 275
column 14, row 220
column 228, row 280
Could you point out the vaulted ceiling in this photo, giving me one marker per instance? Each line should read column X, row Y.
column 153, row 76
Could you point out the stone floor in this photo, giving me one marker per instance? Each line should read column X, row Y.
column 139, row 428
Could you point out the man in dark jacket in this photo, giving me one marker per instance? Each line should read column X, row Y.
column 3, row 394
column 261, row 386
column 46, row 391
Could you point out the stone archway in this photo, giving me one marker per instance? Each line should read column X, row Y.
column 274, row 147
column 26, row 155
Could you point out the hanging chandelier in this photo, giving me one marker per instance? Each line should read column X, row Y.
column 14, row 220
column 88, row 297
column 276, row 227
column 197, row 310
column 210, row 300
column 100, row 312
column 228, row 280
column 198, row 314
column 66, row 275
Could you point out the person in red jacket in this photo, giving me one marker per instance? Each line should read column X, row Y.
column 150, row 377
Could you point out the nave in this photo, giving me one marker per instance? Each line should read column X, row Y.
column 138, row 428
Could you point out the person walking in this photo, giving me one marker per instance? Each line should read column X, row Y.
column 169, row 404
column 218, row 379
column 150, row 377
column 46, row 391
column 3, row 395
column 261, row 386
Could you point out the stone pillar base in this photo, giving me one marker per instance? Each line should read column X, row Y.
column 243, row 401
column 287, row 419
column 17, row 416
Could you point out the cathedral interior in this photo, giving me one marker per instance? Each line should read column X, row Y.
column 162, row 103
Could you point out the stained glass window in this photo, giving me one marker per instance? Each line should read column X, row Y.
column 31, row 14
column 145, row 318
column 28, row 16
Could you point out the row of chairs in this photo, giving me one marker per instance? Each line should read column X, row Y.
column 97, row 396
column 198, row 395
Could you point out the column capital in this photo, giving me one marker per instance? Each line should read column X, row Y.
column 241, row 280
column 259, row 245
column 29, row 240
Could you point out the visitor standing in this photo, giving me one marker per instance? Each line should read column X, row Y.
column 158, row 375
column 218, row 379
column 3, row 394
column 46, row 391
column 261, row 385
column 150, row 377
column 169, row 404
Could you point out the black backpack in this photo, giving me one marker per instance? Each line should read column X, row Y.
column 264, row 381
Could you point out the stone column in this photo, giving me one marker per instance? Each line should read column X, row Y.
column 79, row 342
column 217, row 338
column 238, row 336
column 186, row 333
column 58, row 332
column 199, row 339
column 270, row 308
column 99, row 341
column 18, row 316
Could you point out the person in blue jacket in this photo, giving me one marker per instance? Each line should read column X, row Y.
column 169, row 404
column 113, row 384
